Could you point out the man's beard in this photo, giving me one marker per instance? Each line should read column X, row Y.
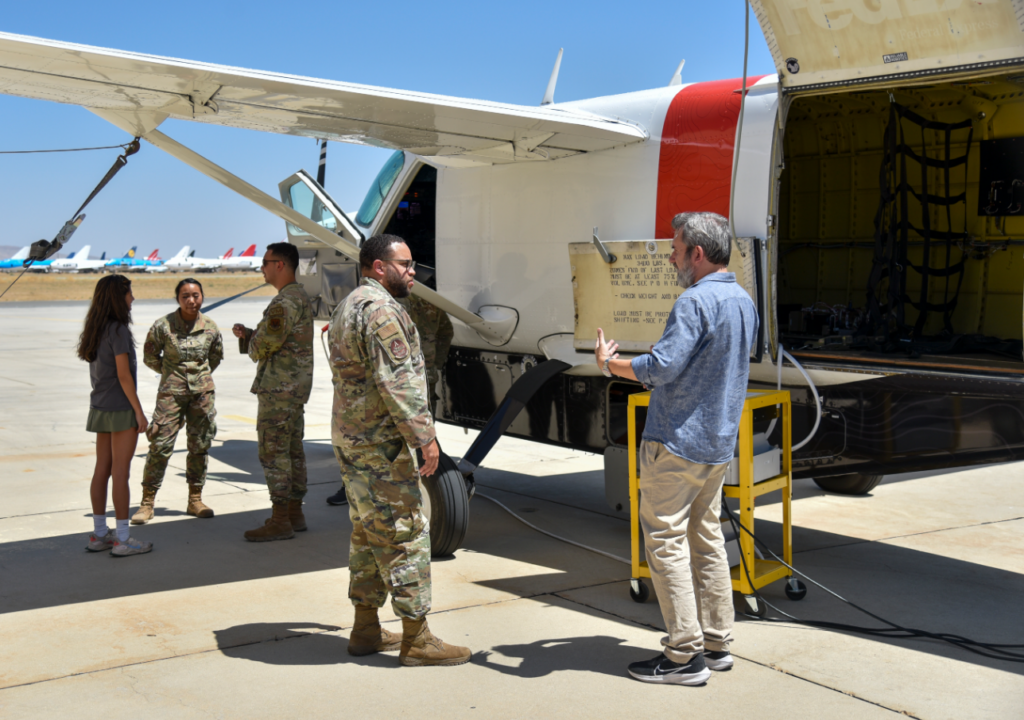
column 395, row 284
column 684, row 277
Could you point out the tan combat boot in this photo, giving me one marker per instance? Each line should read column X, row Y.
column 420, row 647
column 295, row 516
column 276, row 528
column 145, row 511
column 368, row 637
column 196, row 506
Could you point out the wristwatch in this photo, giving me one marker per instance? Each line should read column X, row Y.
column 605, row 369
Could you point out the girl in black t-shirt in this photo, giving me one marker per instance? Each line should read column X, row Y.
column 115, row 414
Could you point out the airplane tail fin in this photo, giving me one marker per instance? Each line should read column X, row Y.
column 181, row 254
column 83, row 254
column 104, row 255
column 192, row 254
column 226, row 255
column 249, row 251
column 131, row 252
column 21, row 254
column 153, row 255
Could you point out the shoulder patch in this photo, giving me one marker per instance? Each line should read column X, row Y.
column 388, row 330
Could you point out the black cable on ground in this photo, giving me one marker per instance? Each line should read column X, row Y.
column 995, row 651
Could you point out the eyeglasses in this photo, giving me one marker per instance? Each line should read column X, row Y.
column 407, row 264
column 265, row 261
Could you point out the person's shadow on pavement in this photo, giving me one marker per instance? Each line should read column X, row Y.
column 311, row 644
column 600, row 653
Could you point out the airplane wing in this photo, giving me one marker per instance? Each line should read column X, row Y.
column 138, row 92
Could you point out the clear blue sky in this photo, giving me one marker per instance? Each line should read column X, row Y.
column 493, row 51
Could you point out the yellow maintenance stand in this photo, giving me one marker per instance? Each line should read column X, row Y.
column 761, row 572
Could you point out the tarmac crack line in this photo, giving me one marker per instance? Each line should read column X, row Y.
column 908, row 535
column 768, row 666
column 553, row 502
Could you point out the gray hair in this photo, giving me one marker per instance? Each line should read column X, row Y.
column 706, row 230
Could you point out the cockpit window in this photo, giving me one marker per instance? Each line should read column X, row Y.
column 380, row 188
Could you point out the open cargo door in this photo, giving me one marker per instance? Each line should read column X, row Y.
column 817, row 45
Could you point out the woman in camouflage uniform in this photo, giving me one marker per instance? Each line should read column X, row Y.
column 185, row 347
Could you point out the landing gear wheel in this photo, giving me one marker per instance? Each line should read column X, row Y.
column 795, row 589
column 446, row 504
column 638, row 591
column 855, row 484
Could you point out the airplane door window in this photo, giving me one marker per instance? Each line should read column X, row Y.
column 301, row 198
column 414, row 221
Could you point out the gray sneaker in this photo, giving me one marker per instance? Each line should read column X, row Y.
column 99, row 543
column 131, row 547
column 718, row 660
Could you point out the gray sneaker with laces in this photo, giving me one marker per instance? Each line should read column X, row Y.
column 131, row 547
column 99, row 543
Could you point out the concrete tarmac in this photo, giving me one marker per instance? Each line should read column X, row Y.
column 208, row 625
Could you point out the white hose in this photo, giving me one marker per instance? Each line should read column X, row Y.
column 778, row 387
column 552, row 535
column 814, row 391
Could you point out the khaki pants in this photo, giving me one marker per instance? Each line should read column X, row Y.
column 679, row 508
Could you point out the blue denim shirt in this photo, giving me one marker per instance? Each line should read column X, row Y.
column 698, row 371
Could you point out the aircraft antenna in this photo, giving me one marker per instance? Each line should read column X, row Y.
column 677, row 78
column 321, row 173
column 549, row 94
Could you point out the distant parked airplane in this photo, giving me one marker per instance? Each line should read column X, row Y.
column 44, row 265
column 130, row 263
column 189, row 263
column 246, row 261
column 14, row 262
column 80, row 262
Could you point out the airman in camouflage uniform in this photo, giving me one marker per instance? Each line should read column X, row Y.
column 436, row 334
column 185, row 354
column 282, row 345
column 380, row 416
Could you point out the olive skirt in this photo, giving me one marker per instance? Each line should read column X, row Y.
column 104, row 421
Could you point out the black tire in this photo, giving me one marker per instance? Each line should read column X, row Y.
column 642, row 595
column 795, row 589
column 447, row 506
column 855, row 484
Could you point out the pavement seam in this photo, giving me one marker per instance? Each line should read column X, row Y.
column 755, row 662
column 553, row 502
column 908, row 535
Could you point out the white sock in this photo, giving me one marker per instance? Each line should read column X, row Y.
column 122, row 530
column 99, row 525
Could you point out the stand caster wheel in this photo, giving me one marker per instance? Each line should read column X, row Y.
column 638, row 591
column 749, row 605
column 795, row 589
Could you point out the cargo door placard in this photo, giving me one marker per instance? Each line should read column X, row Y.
column 631, row 298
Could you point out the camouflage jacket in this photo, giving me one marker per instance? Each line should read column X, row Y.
column 380, row 386
column 435, row 330
column 184, row 358
column 282, row 344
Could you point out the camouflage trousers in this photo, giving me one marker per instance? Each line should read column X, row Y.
column 280, row 426
column 390, row 547
column 198, row 415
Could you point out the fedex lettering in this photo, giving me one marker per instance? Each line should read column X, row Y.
column 837, row 14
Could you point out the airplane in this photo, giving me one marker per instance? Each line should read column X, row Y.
column 80, row 262
column 163, row 266
column 188, row 262
column 899, row 343
column 43, row 266
column 130, row 263
column 14, row 262
column 246, row 261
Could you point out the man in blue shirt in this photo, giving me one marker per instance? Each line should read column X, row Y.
column 698, row 375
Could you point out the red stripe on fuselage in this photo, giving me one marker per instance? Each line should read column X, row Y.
column 695, row 166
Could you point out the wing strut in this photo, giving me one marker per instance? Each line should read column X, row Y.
column 497, row 331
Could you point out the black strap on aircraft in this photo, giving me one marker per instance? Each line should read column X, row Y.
column 44, row 249
column 900, row 201
column 515, row 400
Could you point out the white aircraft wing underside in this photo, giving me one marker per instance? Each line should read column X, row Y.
column 139, row 91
